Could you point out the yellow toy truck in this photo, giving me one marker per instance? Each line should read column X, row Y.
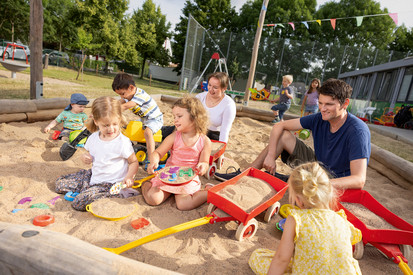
column 134, row 132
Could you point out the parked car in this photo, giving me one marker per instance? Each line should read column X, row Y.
column 20, row 51
column 56, row 57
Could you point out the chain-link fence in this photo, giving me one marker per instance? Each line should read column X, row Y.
column 305, row 60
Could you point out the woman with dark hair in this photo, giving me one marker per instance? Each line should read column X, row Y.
column 220, row 107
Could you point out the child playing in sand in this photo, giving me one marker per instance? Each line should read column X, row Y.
column 110, row 153
column 284, row 99
column 189, row 147
column 315, row 228
column 141, row 104
column 73, row 116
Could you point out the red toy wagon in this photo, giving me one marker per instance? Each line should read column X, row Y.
column 216, row 159
column 220, row 209
column 393, row 243
column 231, row 211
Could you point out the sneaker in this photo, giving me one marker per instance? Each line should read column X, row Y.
column 228, row 176
column 280, row 176
column 275, row 120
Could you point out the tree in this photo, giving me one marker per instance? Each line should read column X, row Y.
column 151, row 33
column 58, row 30
column 216, row 16
column 14, row 20
column 279, row 44
column 83, row 41
column 103, row 20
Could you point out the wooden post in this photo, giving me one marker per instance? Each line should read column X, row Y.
column 36, row 45
column 150, row 79
column 255, row 51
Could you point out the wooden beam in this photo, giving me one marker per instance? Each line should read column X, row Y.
column 255, row 48
column 36, row 45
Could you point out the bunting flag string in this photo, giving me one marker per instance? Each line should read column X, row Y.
column 359, row 21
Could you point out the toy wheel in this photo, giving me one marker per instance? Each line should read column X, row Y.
column 211, row 171
column 6, row 55
column 246, row 231
column 211, row 208
column 358, row 250
column 220, row 161
column 140, row 152
column 271, row 211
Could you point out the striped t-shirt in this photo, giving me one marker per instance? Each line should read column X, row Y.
column 146, row 106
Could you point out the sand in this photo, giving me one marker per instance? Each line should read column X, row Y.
column 30, row 164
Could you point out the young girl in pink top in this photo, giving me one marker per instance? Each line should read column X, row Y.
column 189, row 146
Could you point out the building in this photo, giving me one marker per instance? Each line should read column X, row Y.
column 385, row 87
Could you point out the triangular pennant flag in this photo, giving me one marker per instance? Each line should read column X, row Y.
column 319, row 22
column 292, row 25
column 305, row 24
column 333, row 23
column 359, row 20
column 281, row 25
column 394, row 17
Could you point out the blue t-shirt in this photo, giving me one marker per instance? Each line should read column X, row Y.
column 336, row 150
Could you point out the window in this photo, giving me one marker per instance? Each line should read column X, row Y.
column 364, row 87
column 406, row 89
column 377, row 85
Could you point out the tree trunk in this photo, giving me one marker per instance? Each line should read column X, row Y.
column 81, row 67
column 143, row 66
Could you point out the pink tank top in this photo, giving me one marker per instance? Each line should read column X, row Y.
column 182, row 155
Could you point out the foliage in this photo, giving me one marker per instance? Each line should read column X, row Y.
column 15, row 15
column 102, row 19
column 151, row 33
column 58, row 30
column 216, row 16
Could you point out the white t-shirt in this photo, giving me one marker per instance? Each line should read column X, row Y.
column 221, row 116
column 110, row 158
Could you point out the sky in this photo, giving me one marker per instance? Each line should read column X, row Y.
column 173, row 9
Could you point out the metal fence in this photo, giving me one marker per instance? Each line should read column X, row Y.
column 305, row 60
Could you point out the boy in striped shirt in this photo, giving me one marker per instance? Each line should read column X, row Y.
column 141, row 104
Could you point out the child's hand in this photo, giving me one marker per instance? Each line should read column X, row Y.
column 87, row 158
column 128, row 182
column 202, row 167
column 152, row 166
column 47, row 129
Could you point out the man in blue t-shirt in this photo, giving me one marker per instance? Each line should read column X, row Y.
column 341, row 140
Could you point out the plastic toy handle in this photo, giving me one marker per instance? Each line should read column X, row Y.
column 404, row 267
column 160, row 234
column 88, row 208
column 138, row 183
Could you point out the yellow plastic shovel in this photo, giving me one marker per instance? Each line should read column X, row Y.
column 160, row 234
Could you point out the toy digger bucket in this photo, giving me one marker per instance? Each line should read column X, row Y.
column 68, row 149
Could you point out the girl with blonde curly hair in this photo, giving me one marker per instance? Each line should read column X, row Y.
column 189, row 146
column 315, row 240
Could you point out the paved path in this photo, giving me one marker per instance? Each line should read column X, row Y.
column 403, row 135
